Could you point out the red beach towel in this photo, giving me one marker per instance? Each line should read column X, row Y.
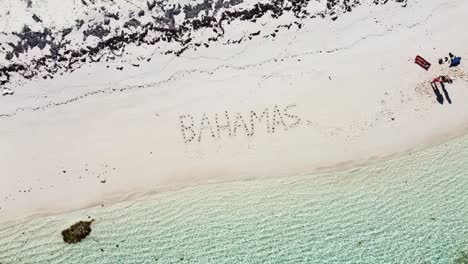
column 422, row 62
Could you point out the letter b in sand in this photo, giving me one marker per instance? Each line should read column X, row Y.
column 186, row 126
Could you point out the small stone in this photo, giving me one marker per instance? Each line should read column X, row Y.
column 36, row 18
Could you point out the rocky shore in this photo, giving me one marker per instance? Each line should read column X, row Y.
column 39, row 50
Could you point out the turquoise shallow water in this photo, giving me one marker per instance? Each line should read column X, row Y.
column 412, row 210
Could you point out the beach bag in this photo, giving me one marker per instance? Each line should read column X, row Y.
column 455, row 61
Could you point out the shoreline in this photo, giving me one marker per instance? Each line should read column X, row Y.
column 345, row 166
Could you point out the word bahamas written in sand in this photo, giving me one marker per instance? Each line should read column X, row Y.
column 227, row 124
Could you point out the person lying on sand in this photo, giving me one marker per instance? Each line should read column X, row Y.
column 442, row 79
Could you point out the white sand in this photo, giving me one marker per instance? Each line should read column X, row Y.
column 132, row 139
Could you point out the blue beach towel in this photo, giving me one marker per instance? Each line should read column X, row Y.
column 455, row 61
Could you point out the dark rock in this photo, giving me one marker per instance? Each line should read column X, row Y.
column 97, row 31
column 112, row 15
column 9, row 56
column 132, row 23
column 66, row 31
column 79, row 23
column 151, row 4
column 77, row 232
column 36, row 18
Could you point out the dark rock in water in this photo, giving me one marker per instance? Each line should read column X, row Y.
column 77, row 232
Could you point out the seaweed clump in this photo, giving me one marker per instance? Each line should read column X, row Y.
column 462, row 258
column 77, row 232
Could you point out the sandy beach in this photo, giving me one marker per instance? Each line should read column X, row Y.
column 326, row 95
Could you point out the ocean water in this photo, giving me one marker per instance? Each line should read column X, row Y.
column 412, row 209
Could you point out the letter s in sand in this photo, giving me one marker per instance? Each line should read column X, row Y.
column 297, row 119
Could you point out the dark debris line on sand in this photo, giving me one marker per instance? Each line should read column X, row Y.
column 77, row 232
column 64, row 56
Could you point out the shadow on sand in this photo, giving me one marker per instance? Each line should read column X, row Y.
column 447, row 96
column 437, row 93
